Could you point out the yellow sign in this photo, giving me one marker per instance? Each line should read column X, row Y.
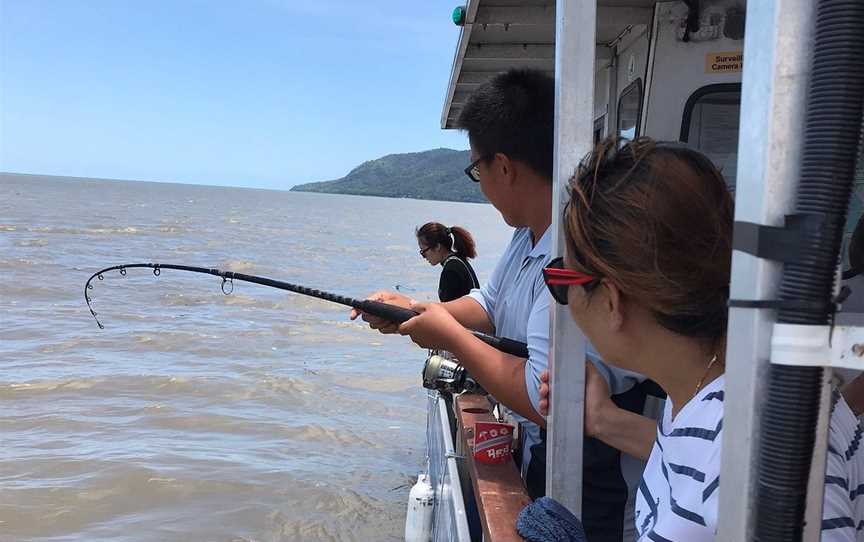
column 730, row 62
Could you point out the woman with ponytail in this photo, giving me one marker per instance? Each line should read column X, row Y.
column 451, row 248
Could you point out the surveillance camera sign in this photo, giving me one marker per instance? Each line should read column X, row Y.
column 728, row 62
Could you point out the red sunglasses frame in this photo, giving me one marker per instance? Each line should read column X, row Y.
column 556, row 276
column 559, row 276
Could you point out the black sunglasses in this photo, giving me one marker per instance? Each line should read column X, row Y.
column 473, row 171
column 559, row 279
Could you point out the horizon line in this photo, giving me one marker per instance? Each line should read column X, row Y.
column 190, row 183
column 110, row 179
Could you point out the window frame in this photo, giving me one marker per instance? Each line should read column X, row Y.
column 637, row 85
column 599, row 127
column 698, row 94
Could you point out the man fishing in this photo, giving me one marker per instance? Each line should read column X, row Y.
column 510, row 126
column 509, row 121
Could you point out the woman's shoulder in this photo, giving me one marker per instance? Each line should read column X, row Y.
column 843, row 500
column 845, row 433
column 456, row 262
column 844, row 426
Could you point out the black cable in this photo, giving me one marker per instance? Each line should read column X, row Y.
column 832, row 129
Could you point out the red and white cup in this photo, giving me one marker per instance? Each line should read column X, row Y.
column 493, row 442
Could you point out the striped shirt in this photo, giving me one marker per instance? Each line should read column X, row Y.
column 678, row 494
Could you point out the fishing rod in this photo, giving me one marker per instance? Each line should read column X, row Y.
column 386, row 311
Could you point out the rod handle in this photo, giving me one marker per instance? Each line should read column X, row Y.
column 508, row 346
column 386, row 311
column 397, row 314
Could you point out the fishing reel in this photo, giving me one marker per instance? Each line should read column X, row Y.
column 447, row 375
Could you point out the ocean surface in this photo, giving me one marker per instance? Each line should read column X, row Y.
column 197, row 416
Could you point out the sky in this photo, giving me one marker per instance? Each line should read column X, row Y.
column 253, row 93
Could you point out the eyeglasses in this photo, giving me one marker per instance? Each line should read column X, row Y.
column 559, row 279
column 424, row 250
column 473, row 171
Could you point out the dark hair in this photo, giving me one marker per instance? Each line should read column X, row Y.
column 656, row 220
column 513, row 113
column 455, row 238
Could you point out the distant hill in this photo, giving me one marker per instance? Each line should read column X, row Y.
column 437, row 174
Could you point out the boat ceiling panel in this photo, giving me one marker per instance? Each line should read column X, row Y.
column 503, row 34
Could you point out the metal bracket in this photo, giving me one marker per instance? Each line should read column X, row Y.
column 782, row 244
column 832, row 306
column 778, row 243
column 818, row 346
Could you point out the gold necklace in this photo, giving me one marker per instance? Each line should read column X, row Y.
column 705, row 375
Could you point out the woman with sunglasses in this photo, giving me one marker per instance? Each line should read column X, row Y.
column 649, row 242
column 450, row 248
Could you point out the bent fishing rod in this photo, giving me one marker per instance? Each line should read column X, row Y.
column 392, row 313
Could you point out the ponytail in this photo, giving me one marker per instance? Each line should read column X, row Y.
column 455, row 238
column 463, row 243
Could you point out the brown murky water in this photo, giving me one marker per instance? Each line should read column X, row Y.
column 196, row 416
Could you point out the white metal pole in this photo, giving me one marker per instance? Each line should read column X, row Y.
column 574, row 107
column 777, row 47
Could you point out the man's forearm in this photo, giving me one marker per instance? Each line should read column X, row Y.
column 470, row 314
column 500, row 374
column 627, row 431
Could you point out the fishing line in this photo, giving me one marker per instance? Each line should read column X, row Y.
column 386, row 311
column 403, row 288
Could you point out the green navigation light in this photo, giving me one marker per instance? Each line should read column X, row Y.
column 459, row 15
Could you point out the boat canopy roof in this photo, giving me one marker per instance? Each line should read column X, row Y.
column 498, row 35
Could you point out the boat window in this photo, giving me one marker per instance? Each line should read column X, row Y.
column 630, row 110
column 599, row 128
column 710, row 124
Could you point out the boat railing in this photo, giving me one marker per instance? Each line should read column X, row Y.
column 499, row 492
column 449, row 517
